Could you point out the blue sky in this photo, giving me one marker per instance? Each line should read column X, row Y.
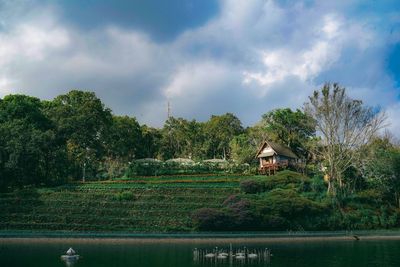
column 204, row 57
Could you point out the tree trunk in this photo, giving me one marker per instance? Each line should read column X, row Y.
column 84, row 172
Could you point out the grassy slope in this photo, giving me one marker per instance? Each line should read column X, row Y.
column 138, row 205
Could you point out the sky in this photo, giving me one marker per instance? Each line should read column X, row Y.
column 204, row 57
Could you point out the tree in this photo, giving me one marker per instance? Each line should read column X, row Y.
column 344, row 125
column 291, row 128
column 30, row 152
column 181, row 138
column 83, row 123
column 151, row 142
column 380, row 165
column 124, row 138
column 219, row 131
column 242, row 148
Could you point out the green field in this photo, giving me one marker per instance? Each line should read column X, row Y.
column 139, row 204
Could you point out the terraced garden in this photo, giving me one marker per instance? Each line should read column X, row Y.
column 139, row 204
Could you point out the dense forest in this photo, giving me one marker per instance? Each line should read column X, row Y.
column 351, row 178
column 75, row 136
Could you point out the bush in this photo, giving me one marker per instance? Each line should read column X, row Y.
column 283, row 209
column 153, row 167
column 144, row 167
column 287, row 179
column 124, row 196
column 207, row 219
column 251, row 186
column 243, row 216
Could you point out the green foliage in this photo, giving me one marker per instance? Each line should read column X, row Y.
column 285, row 179
column 152, row 167
column 124, row 139
column 220, row 130
column 286, row 209
column 30, row 152
column 252, row 186
column 182, row 138
column 207, row 219
column 383, row 172
column 82, row 123
column 292, row 128
column 124, row 196
column 150, row 142
column 243, row 149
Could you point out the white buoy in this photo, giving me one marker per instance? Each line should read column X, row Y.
column 252, row 255
column 210, row 255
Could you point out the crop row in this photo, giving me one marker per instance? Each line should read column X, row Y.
column 84, row 219
column 155, row 226
column 160, row 190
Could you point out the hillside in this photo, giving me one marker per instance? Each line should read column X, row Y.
column 283, row 202
column 141, row 204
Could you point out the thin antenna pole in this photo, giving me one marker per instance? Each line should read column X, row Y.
column 168, row 110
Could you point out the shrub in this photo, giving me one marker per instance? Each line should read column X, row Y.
column 124, row 196
column 251, row 186
column 206, row 219
column 243, row 216
column 286, row 209
column 287, row 179
column 231, row 200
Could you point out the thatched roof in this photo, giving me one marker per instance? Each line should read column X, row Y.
column 277, row 148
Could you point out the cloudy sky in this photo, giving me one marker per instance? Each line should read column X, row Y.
column 204, row 57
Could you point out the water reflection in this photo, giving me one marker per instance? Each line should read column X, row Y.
column 69, row 263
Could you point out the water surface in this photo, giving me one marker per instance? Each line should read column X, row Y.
column 298, row 254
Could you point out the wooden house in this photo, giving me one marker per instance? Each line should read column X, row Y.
column 274, row 156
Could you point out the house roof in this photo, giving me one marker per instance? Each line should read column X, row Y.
column 278, row 148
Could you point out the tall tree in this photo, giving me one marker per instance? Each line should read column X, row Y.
column 292, row 128
column 344, row 125
column 243, row 148
column 124, row 138
column 219, row 131
column 83, row 122
column 380, row 165
column 29, row 152
column 181, row 138
column 151, row 142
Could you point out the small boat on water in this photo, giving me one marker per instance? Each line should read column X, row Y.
column 70, row 255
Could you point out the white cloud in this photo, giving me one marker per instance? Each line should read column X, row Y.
column 31, row 41
column 393, row 115
column 253, row 56
column 304, row 63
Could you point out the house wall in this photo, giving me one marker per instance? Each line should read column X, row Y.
column 267, row 149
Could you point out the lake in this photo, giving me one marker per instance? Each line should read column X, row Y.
column 316, row 253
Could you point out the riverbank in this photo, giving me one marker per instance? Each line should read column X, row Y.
column 190, row 240
column 198, row 238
